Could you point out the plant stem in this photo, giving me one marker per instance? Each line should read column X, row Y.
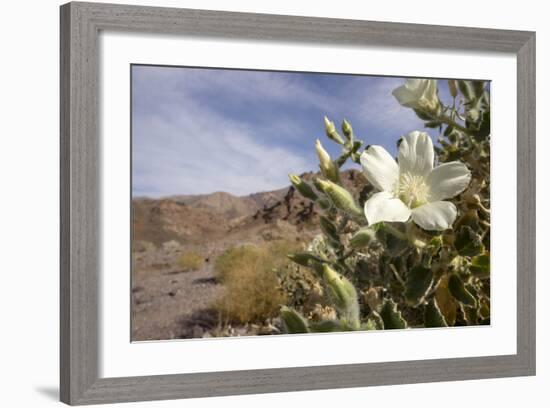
column 409, row 236
column 395, row 232
column 397, row 276
column 343, row 224
column 447, row 120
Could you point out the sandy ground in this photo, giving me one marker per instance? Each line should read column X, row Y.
column 169, row 303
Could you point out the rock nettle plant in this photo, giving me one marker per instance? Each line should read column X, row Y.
column 412, row 249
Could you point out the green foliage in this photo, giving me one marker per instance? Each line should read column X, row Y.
column 433, row 316
column 343, row 294
column 467, row 242
column 326, row 326
column 391, row 316
column 294, row 322
column 396, row 275
column 459, row 291
column 480, row 266
column 419, row 281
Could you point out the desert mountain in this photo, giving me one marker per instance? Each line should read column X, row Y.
column 196, row 219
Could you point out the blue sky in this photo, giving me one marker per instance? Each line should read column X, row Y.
column 197, row 131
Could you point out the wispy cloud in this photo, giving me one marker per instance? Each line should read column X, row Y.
column 199, row 151
column 202, row 130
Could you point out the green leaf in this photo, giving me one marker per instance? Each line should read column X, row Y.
column 470, row 313
column 445, row 301
column 419, row 282
column 459, row 291
column 484, row 309
column 433, row 316
column 478, row 88
column 293, row 321
column 394, row 246
column 480, row 266
column 329, row 229
column 327, row 326
column 484, row 127
column 467, row 242
column 376, row 319
column 391, row 316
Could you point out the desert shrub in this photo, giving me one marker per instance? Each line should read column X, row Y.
column 143, row 246
column 231, row 260
column 190, row 261
column 250, row 276
column 412, row 249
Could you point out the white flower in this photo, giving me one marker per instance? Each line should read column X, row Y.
column 418, row 94
column 412, row 187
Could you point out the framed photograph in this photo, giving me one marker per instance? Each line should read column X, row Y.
column 261, row 203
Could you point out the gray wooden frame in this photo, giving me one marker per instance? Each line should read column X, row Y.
column 80, row 26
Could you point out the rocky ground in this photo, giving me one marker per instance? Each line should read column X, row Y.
column 168, row 302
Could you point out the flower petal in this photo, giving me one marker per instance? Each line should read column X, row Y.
column 385, row 207
column 430, row 90
column 448, row 180
column 405, row 96
column 436, row 216
column 380, row 168
column 416, row 154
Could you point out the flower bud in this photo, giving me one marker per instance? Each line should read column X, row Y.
column 347, row 129
column 363, row 238
column 303, row 187
column 341, row 198
column 343, row 293
column 331, row 132
column 327, row 166
column 419, row 94
column 302, row 258
column 453, row 88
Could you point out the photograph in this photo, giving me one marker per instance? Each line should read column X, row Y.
column 281, row 203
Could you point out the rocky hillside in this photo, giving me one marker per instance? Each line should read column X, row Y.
column 203, row 218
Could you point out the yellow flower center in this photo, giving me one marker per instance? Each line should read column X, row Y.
column 412, row 190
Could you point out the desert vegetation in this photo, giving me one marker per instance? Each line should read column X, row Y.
column 250, row 275
column 369, row 242
column 412, row 249
column 190, row 261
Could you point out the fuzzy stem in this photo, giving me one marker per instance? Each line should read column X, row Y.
column 448, row 121
column 397, row 276
column 395, row 232
column 411, row 235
